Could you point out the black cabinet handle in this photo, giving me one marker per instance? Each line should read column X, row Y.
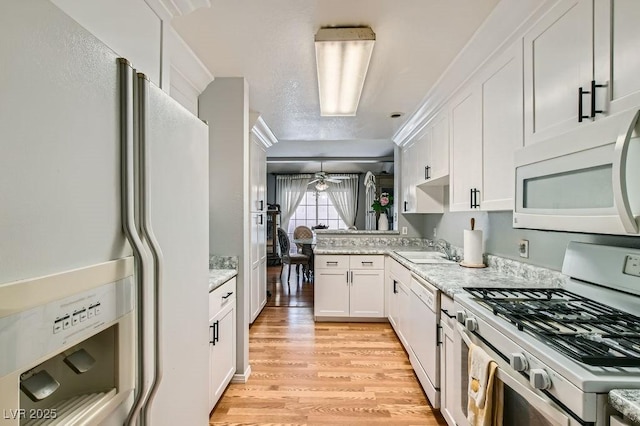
column 427, row 172
column 474, row 198
column 438, row 339
column 594, row 111
column 366, row 263
column 228, row 295
column 261, row 205
column 216, row 331
column 212, row 328
column 471, row 198
column 405, row 206
column 261, row 220
column 581, row 92
column 446, row 312
column 395, row 286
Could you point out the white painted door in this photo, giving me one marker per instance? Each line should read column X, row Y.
column 466, row 150
column 502, row 128
column 617, row 43
column 392, row 301
column 262, row 283
column 558, row 60
column 447, row 369
column 366, row 297
column 255, row 292
column 331, row 293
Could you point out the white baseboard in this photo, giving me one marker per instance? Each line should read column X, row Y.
column 242, row 378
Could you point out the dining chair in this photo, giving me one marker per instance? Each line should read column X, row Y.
column 302, row 232
column 289, row 259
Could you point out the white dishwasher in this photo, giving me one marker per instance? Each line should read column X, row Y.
column 423, row 337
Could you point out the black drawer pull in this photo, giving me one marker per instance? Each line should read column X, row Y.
column 446, row 312
column 367, row 263
column 228, row 295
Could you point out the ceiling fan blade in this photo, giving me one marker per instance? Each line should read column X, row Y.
column 313, row 181
column 340, row 177
column 332, row 180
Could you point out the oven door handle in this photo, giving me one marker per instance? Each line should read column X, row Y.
column 543, row 406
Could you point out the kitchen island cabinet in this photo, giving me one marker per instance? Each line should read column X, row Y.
column 222, row 339
column 349, row 287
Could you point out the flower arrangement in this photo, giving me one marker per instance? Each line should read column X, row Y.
column 383, row 203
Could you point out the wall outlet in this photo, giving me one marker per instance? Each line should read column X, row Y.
column 523, row 248
column 404, row 230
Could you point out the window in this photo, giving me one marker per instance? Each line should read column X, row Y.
column 314, row 209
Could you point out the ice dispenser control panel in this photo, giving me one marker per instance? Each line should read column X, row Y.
column 632, row 265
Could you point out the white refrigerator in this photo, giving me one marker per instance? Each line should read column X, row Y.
column 78, row 129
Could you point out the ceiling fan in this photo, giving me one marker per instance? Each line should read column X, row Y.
column 322, row 179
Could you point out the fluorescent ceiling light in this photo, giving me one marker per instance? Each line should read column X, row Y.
column 342, row 58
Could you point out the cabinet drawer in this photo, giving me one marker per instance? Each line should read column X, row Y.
column 222, row 296
column 366, row 262
column 331, row 262
column 447, row 312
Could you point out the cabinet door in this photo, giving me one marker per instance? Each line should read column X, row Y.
column 222, row 356
column 366, row 297
column 262, row 283
column 439, row 147
column 407, row 180
column 466, row 149
column 331, row 293
column 423, row 156
column 403, row 313
column 447, row 379
column 255, row 292
column 256, row 228
column 558, row 59
column 502, row 128
column 617, row 43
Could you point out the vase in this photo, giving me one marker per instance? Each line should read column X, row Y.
column 383, row 222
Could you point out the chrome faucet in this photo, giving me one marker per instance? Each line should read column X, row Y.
column 444, row 247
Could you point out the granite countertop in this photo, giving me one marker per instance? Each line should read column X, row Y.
column 451, row 277
column 217, row 277
column 626, row 401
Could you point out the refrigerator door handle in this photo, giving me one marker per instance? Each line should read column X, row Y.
column 149, row 236
column 127, row 191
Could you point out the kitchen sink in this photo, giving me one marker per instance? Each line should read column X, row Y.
column 424, row 257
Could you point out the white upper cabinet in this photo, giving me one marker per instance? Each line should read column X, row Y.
column 502, row 128
column 580, row 65
column 617, row 43
column 258, row 175
column 558, row 62
column 433, row 155
column 486, row 129
column 465, row 115
column 416, row 199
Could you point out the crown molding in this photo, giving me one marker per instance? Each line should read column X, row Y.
column 168, row 9
column 263, row 133
column 186, row 62
column 506, row 23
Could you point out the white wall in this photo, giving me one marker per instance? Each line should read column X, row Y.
column 225, row 106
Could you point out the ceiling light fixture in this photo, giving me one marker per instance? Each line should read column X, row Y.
column 342, row 58
column 322, row 186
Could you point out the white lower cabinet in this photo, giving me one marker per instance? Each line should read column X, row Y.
column 398, row 291
column 450, row 398
column 349, row 286
column 222, row 339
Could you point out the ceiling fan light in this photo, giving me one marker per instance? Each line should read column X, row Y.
column 322, row 186
column 342, row 59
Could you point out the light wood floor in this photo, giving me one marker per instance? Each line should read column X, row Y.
column 308, row 373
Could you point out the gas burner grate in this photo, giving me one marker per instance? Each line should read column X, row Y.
column 585, row 330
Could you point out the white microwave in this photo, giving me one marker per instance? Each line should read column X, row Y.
column 587, row 180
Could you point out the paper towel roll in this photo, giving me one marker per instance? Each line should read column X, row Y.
column 473, row 247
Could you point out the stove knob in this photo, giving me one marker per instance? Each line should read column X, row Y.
column 539, row 379
column 471, row 324
column 519, row 362
column 461, row 316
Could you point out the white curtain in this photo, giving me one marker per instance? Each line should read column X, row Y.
column 344, row 197
column 370, row 195
column 290, row 191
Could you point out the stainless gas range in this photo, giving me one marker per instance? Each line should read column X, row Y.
column 560, row 351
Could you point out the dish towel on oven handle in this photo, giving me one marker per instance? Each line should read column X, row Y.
column 485, row 392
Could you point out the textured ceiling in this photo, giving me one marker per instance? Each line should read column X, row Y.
column 270, row 42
